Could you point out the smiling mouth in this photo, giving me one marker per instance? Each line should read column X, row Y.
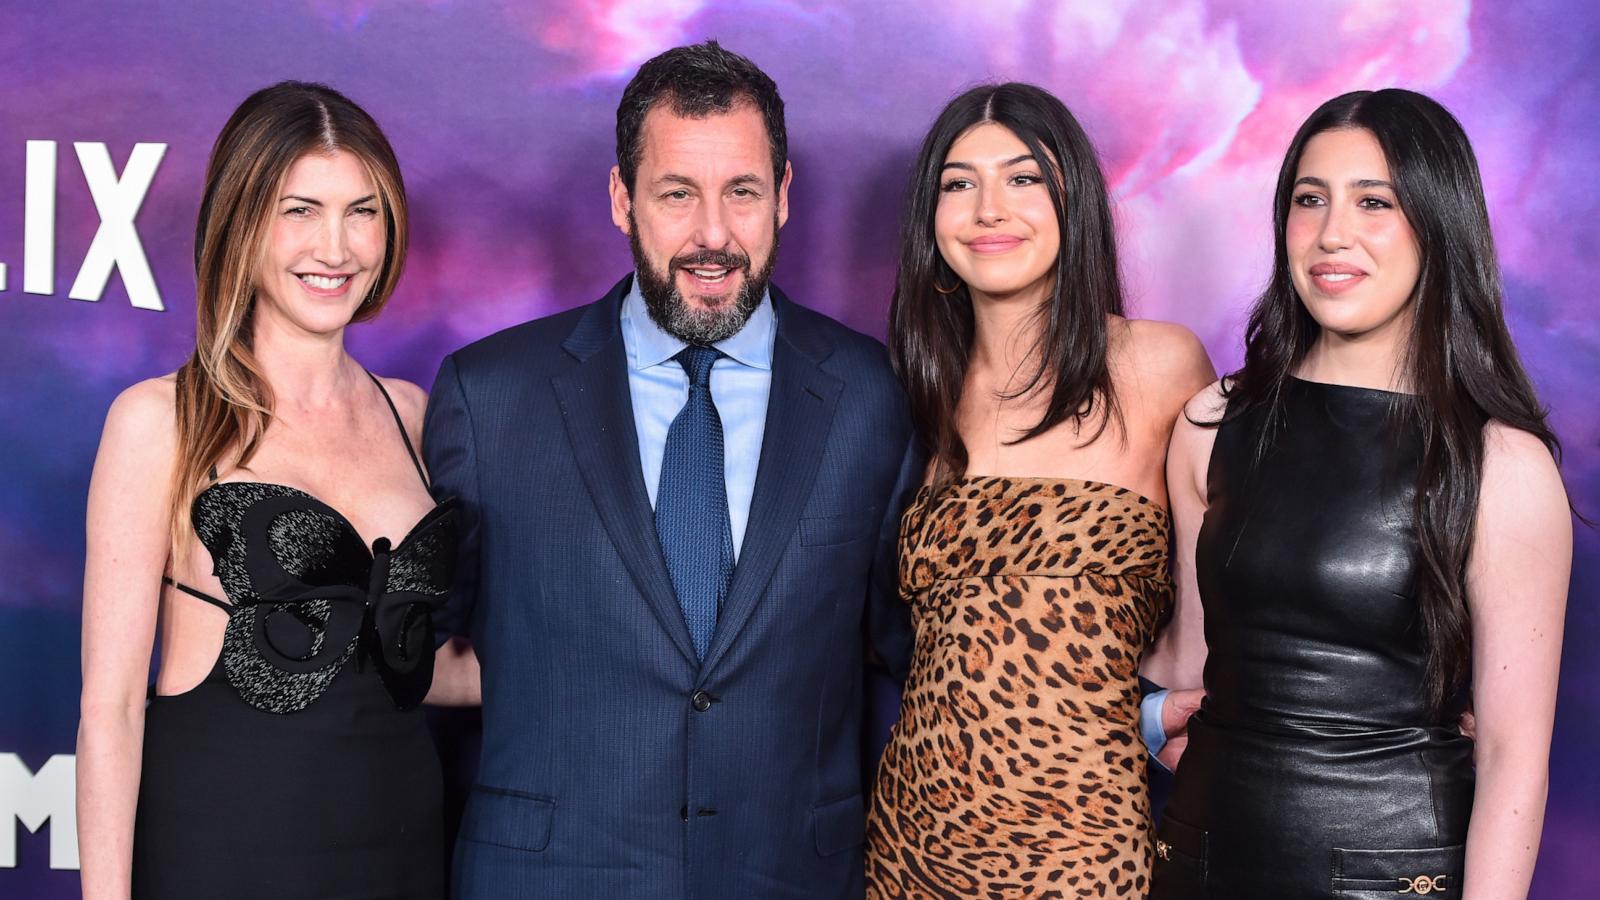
column 994, row 244
column 1337, row 282
column 324, row 282
column 708, row 275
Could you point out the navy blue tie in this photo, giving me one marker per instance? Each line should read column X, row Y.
column 692, row 503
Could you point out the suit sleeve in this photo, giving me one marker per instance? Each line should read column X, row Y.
column 451, row 454
column 889, row 628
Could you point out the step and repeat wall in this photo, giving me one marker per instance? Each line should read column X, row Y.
column 502, row 115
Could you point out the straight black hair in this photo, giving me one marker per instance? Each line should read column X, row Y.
column 1459, row 362
column 931, row 331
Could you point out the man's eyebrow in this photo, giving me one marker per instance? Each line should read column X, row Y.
column 671, row 178
column 747, row 178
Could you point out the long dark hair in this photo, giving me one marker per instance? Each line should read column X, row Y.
column 931, row 331
column 1459, row 360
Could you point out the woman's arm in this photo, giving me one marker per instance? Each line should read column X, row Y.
column 456, row 680
column 126, row 554
column 1178, row 658
column 1517, row 580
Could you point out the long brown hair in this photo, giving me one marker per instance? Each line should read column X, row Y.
column 931, row 327
column 1459, row 358
column 224, row 404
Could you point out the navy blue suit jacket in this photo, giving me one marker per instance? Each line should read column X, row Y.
column 616, row 765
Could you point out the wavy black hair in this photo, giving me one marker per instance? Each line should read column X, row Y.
column 1460, row 364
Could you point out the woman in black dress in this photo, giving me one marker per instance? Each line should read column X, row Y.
column 265, row 507
column 1380, row 539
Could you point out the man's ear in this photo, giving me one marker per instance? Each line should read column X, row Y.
column 783, row 193
column 621, row 200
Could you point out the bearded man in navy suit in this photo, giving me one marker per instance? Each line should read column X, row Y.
column 683, row 500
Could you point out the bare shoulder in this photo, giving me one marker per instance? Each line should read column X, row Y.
column 140, row 438
column 410, row 400
column 1506, row 446
column 1166, row 344
column 1153, row 337
column 1189, row 449
column 1519, row 567
column 1207, row 405
column 1520, row 480
column 1168, row 357
column 144, row 413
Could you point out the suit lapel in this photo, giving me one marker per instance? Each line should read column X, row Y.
column 800, row 409
column 598, row 411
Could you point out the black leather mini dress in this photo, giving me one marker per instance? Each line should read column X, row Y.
column 1315, row 768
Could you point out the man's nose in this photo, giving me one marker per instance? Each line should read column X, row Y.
column 711, row 225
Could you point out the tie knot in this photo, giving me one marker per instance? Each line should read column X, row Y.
column 697, row 362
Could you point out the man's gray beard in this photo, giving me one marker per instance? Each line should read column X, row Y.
column 705, row 327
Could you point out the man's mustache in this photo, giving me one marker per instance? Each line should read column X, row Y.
column 727, row 259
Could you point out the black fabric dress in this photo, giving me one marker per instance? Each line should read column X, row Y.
column 1314, row 768
column 301, row 766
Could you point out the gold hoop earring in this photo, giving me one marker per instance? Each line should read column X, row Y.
column 941, row 289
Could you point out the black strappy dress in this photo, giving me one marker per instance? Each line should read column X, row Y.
column 301, row 766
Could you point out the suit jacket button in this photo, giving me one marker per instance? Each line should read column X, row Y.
column 700, row 700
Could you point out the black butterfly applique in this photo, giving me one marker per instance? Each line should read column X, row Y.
column 308, row 594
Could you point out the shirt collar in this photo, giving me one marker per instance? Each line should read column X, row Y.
column 648, row 345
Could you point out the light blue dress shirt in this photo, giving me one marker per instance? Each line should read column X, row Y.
column 740, row 383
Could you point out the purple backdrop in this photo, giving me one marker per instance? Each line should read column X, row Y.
column 502, row 115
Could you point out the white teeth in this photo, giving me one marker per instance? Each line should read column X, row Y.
column 324, row 284
column 1341, row 276
column 703, row 275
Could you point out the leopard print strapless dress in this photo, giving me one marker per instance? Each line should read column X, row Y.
column 1016, row 769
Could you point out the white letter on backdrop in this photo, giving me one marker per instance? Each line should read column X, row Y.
column 116, row 244
column 39, row 219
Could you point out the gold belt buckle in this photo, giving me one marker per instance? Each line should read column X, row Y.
column 1422, row 885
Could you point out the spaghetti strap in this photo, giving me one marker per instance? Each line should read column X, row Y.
column 219, row 604
column 400, row 423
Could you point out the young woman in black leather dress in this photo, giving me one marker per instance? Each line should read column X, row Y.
column 1380, row 539
column 264, row 505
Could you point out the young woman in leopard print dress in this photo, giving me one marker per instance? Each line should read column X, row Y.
column 1035, row 557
